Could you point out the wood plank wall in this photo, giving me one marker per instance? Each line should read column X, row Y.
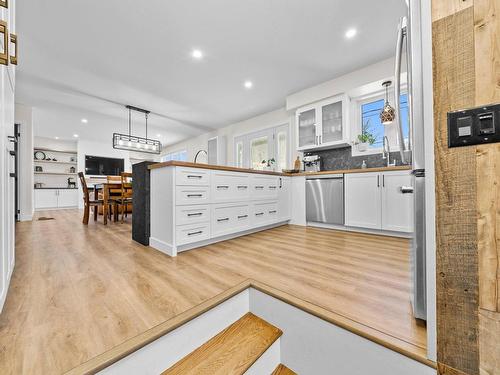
column 466, row 65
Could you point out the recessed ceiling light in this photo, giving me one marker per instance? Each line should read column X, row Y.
column 351, row 33
column 158, row 135
column 197, row 54
column 248, row 84
column 75, row 135
column 84, row 120
column 56, row 137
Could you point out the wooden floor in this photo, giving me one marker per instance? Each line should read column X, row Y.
column 78, row 291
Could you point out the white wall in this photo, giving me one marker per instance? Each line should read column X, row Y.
column 24, row 117
column 354, row 84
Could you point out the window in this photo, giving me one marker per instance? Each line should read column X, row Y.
column 370, row 121
column 259, row 151
column 178, row 156
column 250, row 150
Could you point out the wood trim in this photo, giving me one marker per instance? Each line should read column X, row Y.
column 108, row 358
column 235, row 169
column 456, row 231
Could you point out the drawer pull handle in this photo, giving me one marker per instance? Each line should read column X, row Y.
column 272, row 187
column 193, row 176
column 194, row 195
column 242, row 216
column 223, row 219
column 406, row 189
column 196, row 214
column 259, row 187
column 242, row 187
column 259, row 213
column 222, row 187
column 194, row 233
column 272, row 212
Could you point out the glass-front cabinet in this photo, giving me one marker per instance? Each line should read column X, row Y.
column 323, row 125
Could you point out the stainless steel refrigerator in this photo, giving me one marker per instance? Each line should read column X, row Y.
column 409, row 54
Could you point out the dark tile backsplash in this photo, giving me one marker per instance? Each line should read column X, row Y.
column 340, row 158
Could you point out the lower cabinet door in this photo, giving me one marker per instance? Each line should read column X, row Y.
column 67, row 198
column 186, row 234
column 228, row 219
column 45, row 198
column 363, row 200
column 397, row 207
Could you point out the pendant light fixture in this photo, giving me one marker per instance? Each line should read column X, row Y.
column 388, row 113
column 131, row 142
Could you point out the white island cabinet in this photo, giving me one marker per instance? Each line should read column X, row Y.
column 192, row 207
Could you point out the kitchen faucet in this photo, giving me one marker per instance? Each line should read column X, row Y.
column 386, row 152
column 196, row 156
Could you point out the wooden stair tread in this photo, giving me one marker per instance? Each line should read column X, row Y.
column 283, row 370
column 231, row 351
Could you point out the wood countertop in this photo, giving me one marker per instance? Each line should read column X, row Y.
column 235, row 169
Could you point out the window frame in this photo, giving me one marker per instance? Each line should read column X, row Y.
column 246, row 138
column 390, row 131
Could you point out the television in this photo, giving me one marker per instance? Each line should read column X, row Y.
column 97, row 165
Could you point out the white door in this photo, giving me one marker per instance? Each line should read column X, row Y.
column 284, row 198
column 45, row 198
column 363, row 200
column 67, row 198
column 397, row 207
column 281, row 149
column 261, row 148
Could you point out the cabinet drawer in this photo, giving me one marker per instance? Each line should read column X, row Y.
column 229, row 187
column 191, row 195
column 192, row 233
column 264, row 187
column 192, row 176
column 228, row 219
column 192, row 214
column 264, row 213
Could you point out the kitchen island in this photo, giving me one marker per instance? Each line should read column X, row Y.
column 193, row 205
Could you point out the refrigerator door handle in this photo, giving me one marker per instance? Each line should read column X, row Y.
column 397, row 85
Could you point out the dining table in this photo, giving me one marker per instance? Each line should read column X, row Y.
column 106, row 188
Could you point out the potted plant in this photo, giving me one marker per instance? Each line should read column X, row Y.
column 268, row 164
column 366, row 137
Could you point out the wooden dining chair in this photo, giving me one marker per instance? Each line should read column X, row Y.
column 115, row 195
column 87, row 202
column 126, row 193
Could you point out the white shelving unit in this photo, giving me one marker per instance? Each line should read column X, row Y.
column 54, row 177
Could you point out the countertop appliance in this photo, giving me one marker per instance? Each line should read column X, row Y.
column 325, row 199
column 409, row 46
column 312, row 163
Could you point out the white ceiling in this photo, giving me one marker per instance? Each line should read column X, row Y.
column 87, row 58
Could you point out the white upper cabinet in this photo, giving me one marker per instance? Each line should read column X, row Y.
column 323, row 125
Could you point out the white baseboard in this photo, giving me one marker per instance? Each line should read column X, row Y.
column 360, row 230
column 162, row 246
column 25, row 217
